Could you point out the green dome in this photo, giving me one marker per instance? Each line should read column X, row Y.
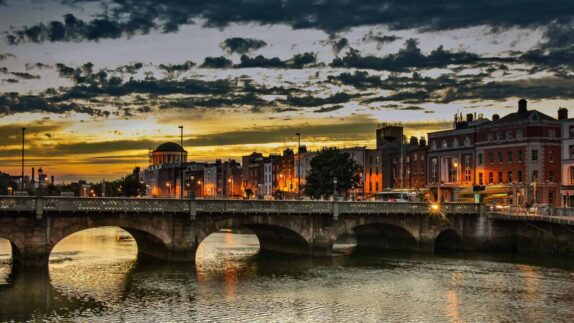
column 168, row 147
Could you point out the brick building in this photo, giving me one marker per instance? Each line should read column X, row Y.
column 520, row 153
column 567, row 134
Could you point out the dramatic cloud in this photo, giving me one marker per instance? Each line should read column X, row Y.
column 128, row 17
column 360, row 79
column 177, row 68
column 25, row 75
column 297, row 61
column 6, row 56
column 410, row 56
column 216, row 62
column 238, row 45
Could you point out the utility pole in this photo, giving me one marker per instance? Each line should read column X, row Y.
column 23, row 138
column 298, row 165
column 181, row 163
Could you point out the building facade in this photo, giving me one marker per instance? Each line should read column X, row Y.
column 567, row 134
column 518, row 157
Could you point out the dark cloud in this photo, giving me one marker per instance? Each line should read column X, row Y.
column 380, row 39
column 339, row 45
column 315, row 101
column 297, row 61
column 6, row 56
column 238, row 45
column 409, row 57
column 177, row 68
column 216, row 62
column 11, row 103
column 128, row 17
column 132, row 68
column 359, row 79
column 38, row 65
column 25, row 75
column 328, row 109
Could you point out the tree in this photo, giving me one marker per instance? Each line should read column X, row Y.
column 331, row 163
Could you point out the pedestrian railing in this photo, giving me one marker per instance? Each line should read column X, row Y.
column 41, row 205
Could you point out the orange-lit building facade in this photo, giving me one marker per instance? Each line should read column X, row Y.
column 520, row 155
column 414, row 168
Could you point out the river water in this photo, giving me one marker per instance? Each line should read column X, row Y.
column 94, row 276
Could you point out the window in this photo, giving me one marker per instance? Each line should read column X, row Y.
column 490, row 178
column 444, row 144
column 509, row 157
column 520, row 176
column 433, row 145
column 480, row 181
column 519, row 156
column 510, row 177
column 499, row 136
column 550, row 197
column 377, row 186
column 534, row 155
column 534, row 176
column 491, row 158
column 370, row 171
column 500, row 179
column 415, row 157
column 551, row 176
column 572, row 175
column 467, row 142
column 500, row 158
column 509, row 135
column 552, row 133
column 422, row 157
column 376, row 170
column 467, row 169
column 455, row 143
column 490, row 137
column 571, row 151
column 519, row 134
column 480, row 159
column 434, row 175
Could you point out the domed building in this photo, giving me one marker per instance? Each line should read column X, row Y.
column 168, row 153
column 163, row 176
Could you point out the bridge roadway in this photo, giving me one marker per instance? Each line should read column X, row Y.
column 172, row 229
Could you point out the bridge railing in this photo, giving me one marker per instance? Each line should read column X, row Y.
column 40, row 205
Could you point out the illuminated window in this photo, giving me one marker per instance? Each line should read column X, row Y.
column 500, row 179
column 491, row 178
column 480, row 180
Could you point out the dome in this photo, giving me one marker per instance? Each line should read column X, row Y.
column 168, row 147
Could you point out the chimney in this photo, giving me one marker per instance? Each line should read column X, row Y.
column 414, row 141
column 522, row 106
column 469, row 117
column 495, row 117
column 422, row 142
column 33, row 174
column 562, row 114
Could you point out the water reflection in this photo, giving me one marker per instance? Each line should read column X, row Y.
column 96, row 277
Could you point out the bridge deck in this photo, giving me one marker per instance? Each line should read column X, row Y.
column 565, row 220
column 41, row 205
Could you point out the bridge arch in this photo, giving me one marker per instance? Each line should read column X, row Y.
column 152, row 241
column 448, row 239
column 274, row 236
column 382, row 236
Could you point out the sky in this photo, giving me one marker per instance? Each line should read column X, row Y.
column 98, row 84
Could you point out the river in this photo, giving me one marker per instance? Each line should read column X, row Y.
column 94, row 276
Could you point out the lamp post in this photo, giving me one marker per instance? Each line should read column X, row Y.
column 334, row 189
column 181, row 163
column 200, row 189
column 169, row 188
column 230, row 193
column 9, row 190
column 23, row 139
column 298, row 165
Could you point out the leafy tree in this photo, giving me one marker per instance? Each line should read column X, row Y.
column 331, row 163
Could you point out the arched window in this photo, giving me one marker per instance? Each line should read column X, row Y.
column 455, row 143
column 467, row 142
column 444, row 144
column 433, row 145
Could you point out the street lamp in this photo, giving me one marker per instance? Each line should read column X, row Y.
column 298, row 165
column 230, row 193
column 169, row 188
column 200, row 189
column 9, row 190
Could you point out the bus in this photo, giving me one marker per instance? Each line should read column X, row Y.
column 399, row 196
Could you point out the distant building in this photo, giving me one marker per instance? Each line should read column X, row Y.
column 164, row 175
column 567, row 134
column 412, row 162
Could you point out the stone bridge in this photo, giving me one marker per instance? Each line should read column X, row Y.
column 172, row 229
